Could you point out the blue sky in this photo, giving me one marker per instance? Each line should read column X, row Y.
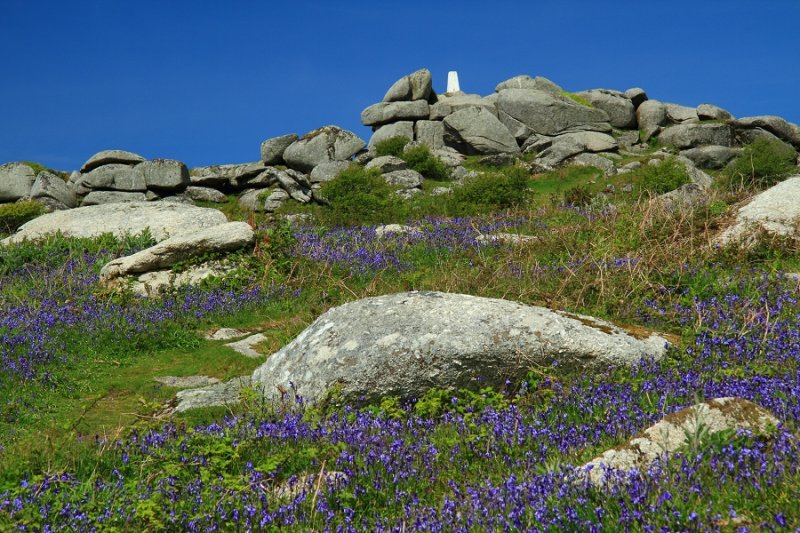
column 206, row 85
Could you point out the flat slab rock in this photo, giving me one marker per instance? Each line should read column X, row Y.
column 164, row 219
column 186, row 382
column 225, row 334
column 674, row 431
column 404, row 344
column 245, row 346
column 226, row 393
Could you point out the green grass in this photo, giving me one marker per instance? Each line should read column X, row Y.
column 578, row 99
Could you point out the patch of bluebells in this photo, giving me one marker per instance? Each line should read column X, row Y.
column 491, row 469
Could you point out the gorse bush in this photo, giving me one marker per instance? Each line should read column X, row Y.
column 663, row 177
column 12, row 216
column 358, row 195
column 423, row 161
column 500, row 189
column 761, row 164
column 391, row 146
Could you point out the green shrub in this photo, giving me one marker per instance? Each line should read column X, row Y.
column 762, row 164
column 579, row 196
column 359, row 196
column 423, row 161
column 12, row 216
column 391, row 146
column 663, row 177
column 492, row 190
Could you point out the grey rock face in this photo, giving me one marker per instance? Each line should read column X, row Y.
column 329, row 143
column 636, row 95
column 387, row 163
column 476, row 131
column 16, row 180
column 261, row 201
column 785, row 131
column 296, row 191
column 162, row 219
column 546, row 114
column 226, row 393
column 245, row 346
column 680, row 113
column 651, row 115
column 186, row 382
column 673, row 433
column 689, row 135
column 328, row 171
column 404, row 344
column 404, row 128
column 114, row 176
column 711, row 157
column 164, row 174
column 712, row 112
column 221, row 238
column 430, row 133
column 558, row 152
column 749, row 135
column 620, row 109
column 594, row 160
column 272, row 149
column 524, row 81
column 49, row 185
column 157, row 282
column 205, row 194
column 447, row 105
column 111, row 156
column 225, row 334
column 112, row 197
column 592, row 141
column 385, row 112
column 234, row 175
column 415, row 86
column 774, row 211
column 407, row 179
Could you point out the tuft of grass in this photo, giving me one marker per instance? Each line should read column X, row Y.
column 12, row 216
column 662, row 177
column 578, row 99
column 392, row 146
column 761, row 164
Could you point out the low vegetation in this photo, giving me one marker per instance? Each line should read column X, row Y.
column 12, row 216
column 761, row 164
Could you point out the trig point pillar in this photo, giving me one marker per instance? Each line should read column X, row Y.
column 452, row 82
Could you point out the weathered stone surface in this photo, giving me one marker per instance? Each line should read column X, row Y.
column 106, row 157
column 415, row 86
column 385, row 112
column 114, row 176
column 520, row 131
column 51, row 204
column 296, row 190
column 48, row 185
column 162, row 219
column 447, row 105
column 750, row 135
column 235, row 174
column 785, row 131
column 329, row 143
column 524, row 81
column 592, row 141
column 272, row 149
column 450, row 157
column 205, row 194
column 651, row 115
column 620, row 109
column 156, row 283
column 404, row 128
column 711, row 157
column 594, row 160
column 404, row 344
column 112, row 197
column 558, row 152
column 407, row 178
column 226, row 393
column 677, row 431
column 546, row 114
column 186, row 382
column 512, row 239
column 245, row 346
column 261, row 201
column 216, row 239
column 430, row 133
column 636, row 95
column 690, row 135
column 164, row 174
column 680, row 113
column 712, row 112
column 225, row 334
column 774, row 211
column 328, row 171
column 476, row 131
column 387, row 163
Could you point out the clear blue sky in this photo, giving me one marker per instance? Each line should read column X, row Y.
column 206, row 85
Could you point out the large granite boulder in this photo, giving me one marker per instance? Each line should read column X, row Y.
column 403, row 128
column 161, row 218
column 114, row 177
column 675, row 432
column 711, row 157
column 404, row 344
column 712, row 112
column 447, row 105
column 328, row 171
column 523, row 81
column 385, row 112
column 164, row 174
column 477, row 131
column 415, row 86
column 651, row 115
column 221, row 238
column 620, row 109
column 784, row 130
column 430, row 133
column 329, row 143
column 547, row 114
column 272, row 149
column 48, row 185
column 114, row 197
column 107, row 157
column 636, row 95
column 263, row 201
column 690, row 135
column 16, row 180
column 680, row 113
column 774, row 211
column 205, row 194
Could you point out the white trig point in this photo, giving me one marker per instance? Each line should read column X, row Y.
column 452, row 82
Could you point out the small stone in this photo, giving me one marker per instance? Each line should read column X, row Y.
column 224, row 334
column 245, row 346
